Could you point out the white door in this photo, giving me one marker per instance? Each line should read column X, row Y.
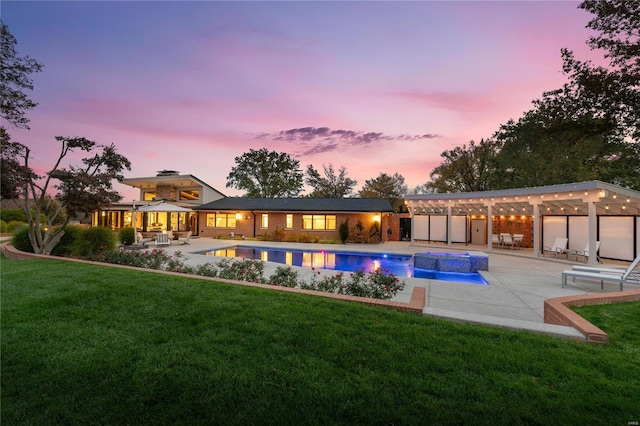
column 478, row 231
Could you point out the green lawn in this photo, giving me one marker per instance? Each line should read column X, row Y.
column 86, row 345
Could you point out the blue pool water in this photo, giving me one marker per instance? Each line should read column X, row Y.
column 399, row 265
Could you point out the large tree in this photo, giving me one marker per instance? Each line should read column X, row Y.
column 465, row 169
column 332, row 185
column 77, row 188
column 14, row 80
column 266, row 174
column 390, row 187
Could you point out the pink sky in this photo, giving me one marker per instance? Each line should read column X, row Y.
column 371, row 86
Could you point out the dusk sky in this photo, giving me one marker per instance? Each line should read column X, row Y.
column 371, row 86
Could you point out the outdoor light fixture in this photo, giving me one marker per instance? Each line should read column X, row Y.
column 376, row 218
column 238, row 216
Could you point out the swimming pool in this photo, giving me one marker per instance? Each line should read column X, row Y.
column 399, row 265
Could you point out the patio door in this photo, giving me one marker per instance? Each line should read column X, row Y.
column 478, row 231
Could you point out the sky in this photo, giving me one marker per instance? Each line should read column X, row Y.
column 375, row 87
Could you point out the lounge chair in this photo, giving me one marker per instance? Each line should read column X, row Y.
column 558, row 248
column 141, row 239
column 162, row 239
column 604, row 274
column 185, row 240
column 585, row 253
column 496, row 241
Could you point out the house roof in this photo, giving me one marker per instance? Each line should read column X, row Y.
column 176, row 180
column 351, row 205
column 564, row 199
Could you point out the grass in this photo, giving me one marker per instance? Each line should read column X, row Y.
column 84, row 344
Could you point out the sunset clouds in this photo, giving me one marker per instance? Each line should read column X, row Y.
column 372, row 86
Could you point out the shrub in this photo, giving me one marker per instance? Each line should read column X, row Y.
column 9, row 215
column 344, row 231
column 14, row 225
column 127, row 236
column 94, row 240
column 21, row 241
column 65, row 246
column 284, row 277
column 3, row 226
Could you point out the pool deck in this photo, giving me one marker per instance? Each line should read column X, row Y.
column 519, row 283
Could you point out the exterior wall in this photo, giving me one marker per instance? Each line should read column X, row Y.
column 515, row 225
column 249, row 225
column 394, row 226
column 166, row 192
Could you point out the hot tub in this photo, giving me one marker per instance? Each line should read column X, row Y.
column 471, row 261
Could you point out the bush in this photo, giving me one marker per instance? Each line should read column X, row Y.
column 14, row 225
column 284, row 277
column 127, row 236
column 94, row 240
column 9, row 215
column 21, row 241
column 344, row 231
column 68, row 242
column 3, row 226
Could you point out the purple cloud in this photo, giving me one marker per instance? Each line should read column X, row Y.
column 317, row 140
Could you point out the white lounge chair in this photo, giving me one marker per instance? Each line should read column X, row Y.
column 558, row 248
column 185, row 240
column 141, row 239
column 496, row 241
column 162, row 239
column 585, row 253
column 604, row 274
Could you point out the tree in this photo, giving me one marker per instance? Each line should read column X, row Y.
column 267, row 174
column 14, row 80
column 80, row 189
column 330, row 186
column 391, row 188
column 465, row 169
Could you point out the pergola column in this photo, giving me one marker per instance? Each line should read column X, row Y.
column 536, row 229
column 490, row 225
column 593, row 232
column 449, row 224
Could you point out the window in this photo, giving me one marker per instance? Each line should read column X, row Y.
column 264, row 223
column 149, row 195
column 289, row 222
column 319, row 221
column 190, row 195
column 221, row 220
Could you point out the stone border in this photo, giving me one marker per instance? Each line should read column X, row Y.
column 556, row 311
column 415, row 305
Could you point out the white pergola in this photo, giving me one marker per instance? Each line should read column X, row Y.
column 591, row 198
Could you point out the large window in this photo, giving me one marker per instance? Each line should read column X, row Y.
column 289, row 222
column 149, row 195
column 319, row 221
column 264, row 223
column 221, row 220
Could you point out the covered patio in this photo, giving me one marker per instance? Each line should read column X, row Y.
column 592, row 213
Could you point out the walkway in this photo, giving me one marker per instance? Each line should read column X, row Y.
column 519, row 282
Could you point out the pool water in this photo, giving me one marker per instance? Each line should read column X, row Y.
column 398, row 265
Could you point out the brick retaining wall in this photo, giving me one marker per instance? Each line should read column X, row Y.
column 556, row 311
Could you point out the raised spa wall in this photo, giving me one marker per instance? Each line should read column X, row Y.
column 472, row 261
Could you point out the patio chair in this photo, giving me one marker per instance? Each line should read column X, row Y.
column 628, row 275
column 185, row 240
column 162, row 239
column 558, row 248
column 141, row 239
column 585, row 253
column 507, row 240
column 517, row 240
column 496, row 242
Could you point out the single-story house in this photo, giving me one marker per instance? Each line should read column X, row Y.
column 592, row 212
column 318, row 217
